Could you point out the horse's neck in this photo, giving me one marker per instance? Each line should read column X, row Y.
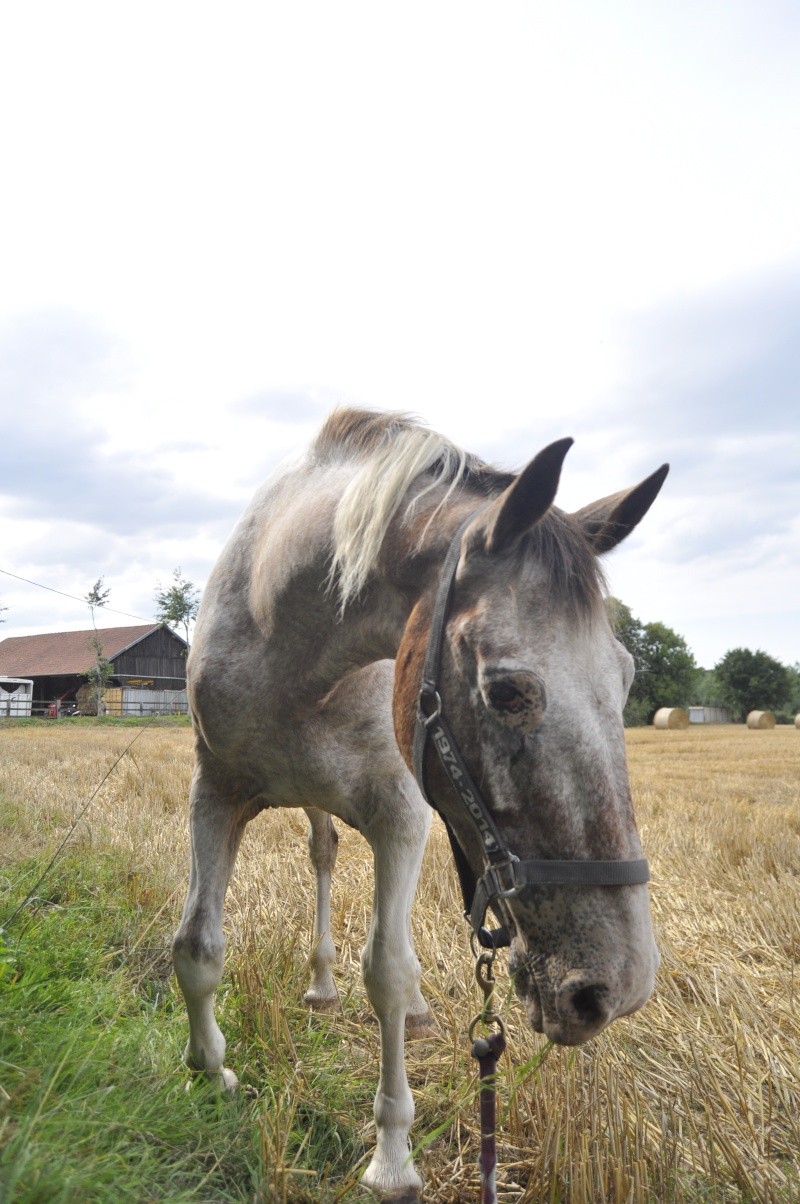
column 415, row 547
column 316, row 642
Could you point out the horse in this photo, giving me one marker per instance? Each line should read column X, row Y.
column 320, row 612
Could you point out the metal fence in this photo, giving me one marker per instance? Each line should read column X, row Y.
column 148, row 702
column 118, row 703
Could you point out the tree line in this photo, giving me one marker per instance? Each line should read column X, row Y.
column 667, row 674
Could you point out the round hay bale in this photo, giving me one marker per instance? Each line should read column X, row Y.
column 759, row 720
column 671, row 717
column 86, row 699
column 797, row 722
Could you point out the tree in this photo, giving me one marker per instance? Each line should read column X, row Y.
column 102, row 670
column 752, row 681
column 706, row 689
column 793, row 673
column 2, row 608
column 177, row 603
column 665, row 668
column 97, row 596
column 671, row 666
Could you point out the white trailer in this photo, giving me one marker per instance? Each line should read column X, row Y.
column 16, row 696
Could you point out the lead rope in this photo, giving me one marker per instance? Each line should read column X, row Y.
column 487, row 1051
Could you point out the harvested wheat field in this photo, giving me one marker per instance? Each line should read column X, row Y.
column 697, row 1097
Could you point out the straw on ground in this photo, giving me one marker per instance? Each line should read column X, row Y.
column 696, row 1097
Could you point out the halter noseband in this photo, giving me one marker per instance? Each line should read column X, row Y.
column 506, row 875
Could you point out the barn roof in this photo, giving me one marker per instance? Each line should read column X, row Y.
column 61, row 652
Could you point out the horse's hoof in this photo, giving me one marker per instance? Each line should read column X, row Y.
column 224, row 1080
column 322, row 1003
column 227, row 1081
column 409, row 1192
column 401, row 1195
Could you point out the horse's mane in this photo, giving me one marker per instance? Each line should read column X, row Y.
column 394, row 450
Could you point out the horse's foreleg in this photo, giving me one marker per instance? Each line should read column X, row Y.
column 322, row 844
column 391, row 975
column 216, row 828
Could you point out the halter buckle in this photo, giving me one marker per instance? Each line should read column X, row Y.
column 429, row 693
column 500, row 879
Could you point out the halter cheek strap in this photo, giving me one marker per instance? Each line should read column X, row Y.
column 505, row 874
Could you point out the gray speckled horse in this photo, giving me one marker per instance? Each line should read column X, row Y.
column 318, row 612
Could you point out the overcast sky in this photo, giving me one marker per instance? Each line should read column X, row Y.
column 517, row 220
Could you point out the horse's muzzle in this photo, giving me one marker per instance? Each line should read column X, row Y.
column 580, row 1005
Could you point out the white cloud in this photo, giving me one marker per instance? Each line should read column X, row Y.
column 519, row 222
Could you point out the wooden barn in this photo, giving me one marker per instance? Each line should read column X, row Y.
column 148, row 664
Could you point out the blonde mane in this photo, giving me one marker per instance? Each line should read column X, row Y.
column 395, row 450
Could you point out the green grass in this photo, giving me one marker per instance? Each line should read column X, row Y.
column 95, row 1103
column 107, row 721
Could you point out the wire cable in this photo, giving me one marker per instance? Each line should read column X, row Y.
column 32, row 892
column 39, row 585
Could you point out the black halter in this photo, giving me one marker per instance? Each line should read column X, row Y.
column 505, row 875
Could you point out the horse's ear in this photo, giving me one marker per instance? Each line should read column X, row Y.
column 607, row 522
column 526, row 500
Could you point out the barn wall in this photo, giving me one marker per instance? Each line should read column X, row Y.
column 160, row 656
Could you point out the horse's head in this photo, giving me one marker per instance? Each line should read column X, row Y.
column 533, row 684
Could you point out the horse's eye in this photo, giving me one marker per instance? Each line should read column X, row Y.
column 503, row 695
column 516, row 697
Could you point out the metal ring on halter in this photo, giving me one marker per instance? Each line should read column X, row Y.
column 487, row 1019
column 489, row 947
column 432, row 693
column 485, row 980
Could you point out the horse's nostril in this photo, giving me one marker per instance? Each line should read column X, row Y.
column 583, row 1003
column 587, row 1003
